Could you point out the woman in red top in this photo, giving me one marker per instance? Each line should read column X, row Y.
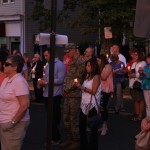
column 132, row 55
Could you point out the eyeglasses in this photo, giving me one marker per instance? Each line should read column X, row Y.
column 7, row 64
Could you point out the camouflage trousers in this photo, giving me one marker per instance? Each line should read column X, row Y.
column 71, row 113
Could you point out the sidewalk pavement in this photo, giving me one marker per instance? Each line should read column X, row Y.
column 120, row 134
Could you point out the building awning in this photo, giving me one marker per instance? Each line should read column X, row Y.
column 11, row 17
column 13, row 29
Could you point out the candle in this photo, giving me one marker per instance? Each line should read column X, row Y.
column 44, row 67
column 140, row 66
column 128, row 68
column 33, row 70
column 107, row 56
column 75, row 80
column 39, row 79
column 121, row 65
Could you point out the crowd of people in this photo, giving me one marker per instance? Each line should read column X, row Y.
column 84, row 83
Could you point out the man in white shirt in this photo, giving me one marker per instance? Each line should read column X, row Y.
column 116, row 50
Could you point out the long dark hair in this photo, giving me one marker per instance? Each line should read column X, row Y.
column 94, row 68
column 104, row 61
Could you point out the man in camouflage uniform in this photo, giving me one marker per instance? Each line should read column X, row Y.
column 72, row 95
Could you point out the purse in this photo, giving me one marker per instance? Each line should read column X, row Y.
column 94, row 121
column 137, row 85
column 123, row 85
column 143, row 140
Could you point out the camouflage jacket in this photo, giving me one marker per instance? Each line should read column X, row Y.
column 76, row 69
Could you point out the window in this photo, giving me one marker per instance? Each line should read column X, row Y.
column 12, row 1
column 7, row 1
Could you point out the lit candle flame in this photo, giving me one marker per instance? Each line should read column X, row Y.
column 107, row 56
column 75, row 80
column 128, row 68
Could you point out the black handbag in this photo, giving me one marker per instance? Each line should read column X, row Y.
column 123, row 85
column 94, row 121
column 137, row 85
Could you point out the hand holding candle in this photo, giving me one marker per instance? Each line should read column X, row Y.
column 129, row 68
column 38, row 83
column 107, row 56
column 44, row 67
column 33, row 71
column 140, row 68
column 39, row 79
column 75, row 80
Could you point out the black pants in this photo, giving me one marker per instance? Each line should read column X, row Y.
column 56, row 116
column 104, row 102
column 38, row 92
column 88, row 140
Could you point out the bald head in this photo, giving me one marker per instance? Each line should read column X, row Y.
column 89, row 52
column 36, row 57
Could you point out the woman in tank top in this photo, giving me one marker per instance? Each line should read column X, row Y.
column 90, row 86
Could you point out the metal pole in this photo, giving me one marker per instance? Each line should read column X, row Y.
column 51, row 74
column 99, row 30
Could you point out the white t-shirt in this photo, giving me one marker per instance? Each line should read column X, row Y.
column 123, row 59
column 136, row 66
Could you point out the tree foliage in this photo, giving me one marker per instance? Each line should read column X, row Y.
column 90, row 15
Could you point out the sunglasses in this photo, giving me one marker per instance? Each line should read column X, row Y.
column 6, row 64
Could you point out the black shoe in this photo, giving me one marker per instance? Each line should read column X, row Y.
column 116, row 112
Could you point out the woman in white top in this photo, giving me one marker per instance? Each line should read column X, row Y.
column 137, row 95
column 90, row 87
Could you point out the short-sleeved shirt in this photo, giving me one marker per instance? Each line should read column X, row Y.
column 9, row 104
column 146, row 78
column 119, row 76
column 136, row 66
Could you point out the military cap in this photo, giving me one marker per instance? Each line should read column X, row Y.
column 70, row 46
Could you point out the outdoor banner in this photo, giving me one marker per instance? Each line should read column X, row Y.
column 107, row 32
column 44, row 39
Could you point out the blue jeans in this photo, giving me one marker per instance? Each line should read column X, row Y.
column 118, row 95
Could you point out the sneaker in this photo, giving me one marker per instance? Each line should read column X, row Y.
column 104, row 131
column 100, row 129
column 55, row 143
column 65, row 144
column 88, row 129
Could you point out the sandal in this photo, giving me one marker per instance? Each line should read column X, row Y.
column 137, row 118
column 134, row 117
column 140, row 118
